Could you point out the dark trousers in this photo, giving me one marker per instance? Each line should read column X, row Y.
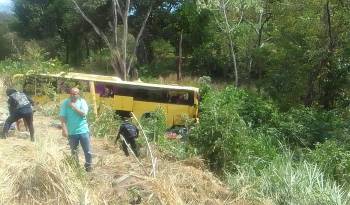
column 28, row 119
column 132, row 144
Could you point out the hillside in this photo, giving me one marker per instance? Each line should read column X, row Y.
column 41, row 173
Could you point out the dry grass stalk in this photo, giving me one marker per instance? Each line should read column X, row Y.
column 153, row 159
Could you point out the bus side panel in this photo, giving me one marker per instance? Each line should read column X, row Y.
column 124, row 103
column 141, row 107
column 179, row 113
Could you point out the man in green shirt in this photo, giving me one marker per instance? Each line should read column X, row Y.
column 73, row 114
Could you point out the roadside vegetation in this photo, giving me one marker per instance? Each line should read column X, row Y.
column 274, row 80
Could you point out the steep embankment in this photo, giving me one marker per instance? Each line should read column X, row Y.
column 41, row 173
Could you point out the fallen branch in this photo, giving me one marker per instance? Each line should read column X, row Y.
column 133, row 154
column 153, row 159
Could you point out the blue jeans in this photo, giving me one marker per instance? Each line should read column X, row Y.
column 84, row 140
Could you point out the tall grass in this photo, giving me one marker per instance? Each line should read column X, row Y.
column 105, row 125
column 285, row 182
column 38, row 174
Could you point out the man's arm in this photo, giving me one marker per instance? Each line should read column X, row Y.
column 62, row 115
column 82, row 112
column 29, row 99
column 12, row 105
column 64, row 127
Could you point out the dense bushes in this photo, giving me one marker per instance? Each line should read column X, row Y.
column 333, row 158
column 225, row 136
column 287, row 182
column 243, row 134
column 305, row 127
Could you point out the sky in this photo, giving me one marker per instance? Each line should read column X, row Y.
column 5, row 5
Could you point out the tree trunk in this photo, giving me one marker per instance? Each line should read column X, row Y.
column 328, row 94
column 179, row 61
column 232, row 51
column 86, row 40
column 67, row 52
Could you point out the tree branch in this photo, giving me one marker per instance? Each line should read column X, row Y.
column 138, row 37
column 97, row 30
column 115, row 22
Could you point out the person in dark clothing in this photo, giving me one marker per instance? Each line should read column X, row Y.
column 130, row 132
column 20, row 106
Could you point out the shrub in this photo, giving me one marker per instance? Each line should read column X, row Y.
column 175, row 149
column 225, row 136
column 305, row 127
column 154, row 124
column 333, row 158
column 164, row 59
column 106, row 124
column 285, row 182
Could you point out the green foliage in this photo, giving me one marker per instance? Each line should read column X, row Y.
column 163, row 57
column 154, row 124
column 204, row 85
column 5, row 36
column 333, row 158
column 305, row 127
column 105, row 125
column 99, row 62
column 225, row 136
column 31, row 61
column 286, row 182
column 175, row 149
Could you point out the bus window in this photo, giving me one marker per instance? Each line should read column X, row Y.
column 106, row 90
column 181, row 98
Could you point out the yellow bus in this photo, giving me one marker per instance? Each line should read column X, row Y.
column 178, row 102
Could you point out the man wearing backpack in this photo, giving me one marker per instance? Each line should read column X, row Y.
column 20, row 106
column 130, row 132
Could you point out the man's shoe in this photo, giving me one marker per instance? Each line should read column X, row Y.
column 88, row 169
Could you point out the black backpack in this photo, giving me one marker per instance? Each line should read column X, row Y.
column 129, row 130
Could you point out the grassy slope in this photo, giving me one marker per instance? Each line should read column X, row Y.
column 42, row 173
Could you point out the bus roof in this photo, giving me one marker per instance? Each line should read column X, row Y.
column 116, row 80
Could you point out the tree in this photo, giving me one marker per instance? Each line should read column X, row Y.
column 121, row 62
column 229, row 18
column 7, row 44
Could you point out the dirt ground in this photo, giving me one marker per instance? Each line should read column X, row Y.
column 117, row 179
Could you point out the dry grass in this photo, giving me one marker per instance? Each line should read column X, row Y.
column 37, row 174
column 175, row 182
column 40, row 173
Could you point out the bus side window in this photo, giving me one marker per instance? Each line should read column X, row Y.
column 108, row 91
column 181, row 98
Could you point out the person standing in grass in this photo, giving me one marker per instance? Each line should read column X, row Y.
column 20, row 106
column 73, row 116
column 129, row 132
